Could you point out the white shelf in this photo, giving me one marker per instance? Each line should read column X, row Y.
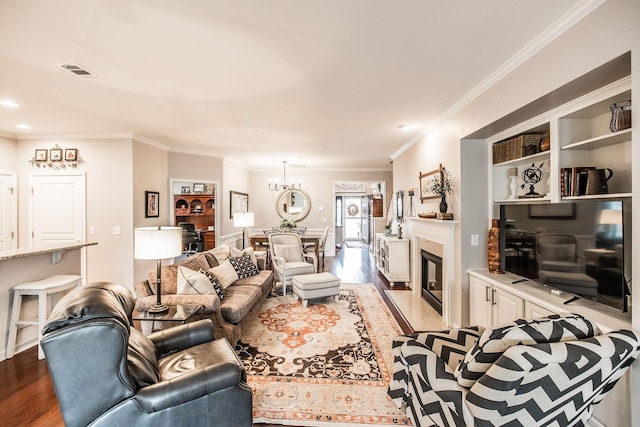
column 523, row 160
column 600, row 141
column 599, row 196
column 524, row 201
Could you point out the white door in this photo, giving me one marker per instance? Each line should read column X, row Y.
column 57, row 209
column 352, row 218
column 8, row 211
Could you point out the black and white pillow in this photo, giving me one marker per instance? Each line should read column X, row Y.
column 494, row 342
column 217, row 287
column 244, row 266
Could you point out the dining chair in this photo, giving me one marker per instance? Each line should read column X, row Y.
column 309, row 247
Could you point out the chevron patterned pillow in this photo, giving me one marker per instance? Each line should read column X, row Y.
column 493, row 342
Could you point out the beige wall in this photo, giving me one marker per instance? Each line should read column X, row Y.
column 107, row 166
column 235, row 178
column 150, row 166
column 8, row 150
column 319, row 185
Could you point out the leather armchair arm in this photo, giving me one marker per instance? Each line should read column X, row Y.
column 189, row 387
column 183, row 336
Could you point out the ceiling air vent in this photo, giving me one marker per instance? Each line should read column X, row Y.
column 78, row 71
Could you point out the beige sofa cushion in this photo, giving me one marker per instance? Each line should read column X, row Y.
column 225, row 273
column 191, row 282
column 238, row 301
column 169, row 273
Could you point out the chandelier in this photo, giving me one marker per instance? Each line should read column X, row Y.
column 284, row 186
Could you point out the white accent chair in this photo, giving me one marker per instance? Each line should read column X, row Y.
column 288, row 258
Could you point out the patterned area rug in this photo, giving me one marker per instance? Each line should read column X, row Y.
column 325, row 365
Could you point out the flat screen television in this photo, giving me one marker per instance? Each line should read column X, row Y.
column 582, row 248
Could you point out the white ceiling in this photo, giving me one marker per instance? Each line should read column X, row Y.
column 260, row 80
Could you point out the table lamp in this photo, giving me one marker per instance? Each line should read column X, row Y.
column 243, row 220
column 158, row 243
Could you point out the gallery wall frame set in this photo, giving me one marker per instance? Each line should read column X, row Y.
column 56, row 158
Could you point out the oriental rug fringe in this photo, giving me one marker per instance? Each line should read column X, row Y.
column 325, row 365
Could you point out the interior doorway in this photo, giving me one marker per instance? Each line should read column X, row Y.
column 352, row 218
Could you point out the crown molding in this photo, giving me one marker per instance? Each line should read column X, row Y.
column 8, row 135
column 559, row 27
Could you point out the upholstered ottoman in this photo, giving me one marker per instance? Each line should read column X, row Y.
column 316, row 285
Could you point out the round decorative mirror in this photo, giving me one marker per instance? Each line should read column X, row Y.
column 294, row 204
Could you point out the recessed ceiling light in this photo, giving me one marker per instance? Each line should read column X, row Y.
column 23, row 126
column 406, row 126
column 9, row 104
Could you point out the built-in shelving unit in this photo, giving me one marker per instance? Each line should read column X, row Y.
column 580, row 136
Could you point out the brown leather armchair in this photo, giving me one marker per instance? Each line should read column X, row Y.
column 106, row 373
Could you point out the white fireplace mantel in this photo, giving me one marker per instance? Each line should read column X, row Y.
column 441, row 232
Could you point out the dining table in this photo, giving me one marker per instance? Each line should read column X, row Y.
column 261, row 240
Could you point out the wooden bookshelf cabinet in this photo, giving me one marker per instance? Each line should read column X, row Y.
column 198, row 209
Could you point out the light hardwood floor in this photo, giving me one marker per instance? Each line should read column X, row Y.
column 27, row 397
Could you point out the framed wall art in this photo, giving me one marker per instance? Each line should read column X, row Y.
column 238, row 202
column 71, row 154
column 151, row 204
column 199, row 188
column 426, row 191
column 55, row 154
column 41, row 155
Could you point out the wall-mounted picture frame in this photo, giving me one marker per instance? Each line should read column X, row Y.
column 41, row 155
column 199, row 188
column 185, row 189
column 552, row 211
column 399, row 205
column 425, row 185
column 71, row 154
column 151, row 204
column 55, row 154
column 238, row 202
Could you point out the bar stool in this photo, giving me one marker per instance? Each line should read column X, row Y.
column 41, row 289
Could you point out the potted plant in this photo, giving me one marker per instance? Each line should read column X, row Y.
column 287, row 222
column 441, row 184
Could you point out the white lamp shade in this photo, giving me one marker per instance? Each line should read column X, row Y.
column 243, row 219
column 158, row 243
column 611, row 216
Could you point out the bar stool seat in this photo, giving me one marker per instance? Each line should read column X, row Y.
column 42, row 289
